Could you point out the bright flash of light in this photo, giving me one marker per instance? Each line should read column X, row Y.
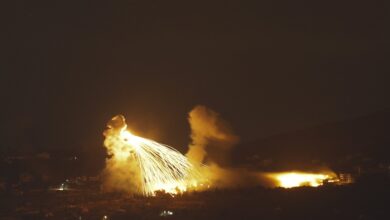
column 162, row 168
column 296, row 179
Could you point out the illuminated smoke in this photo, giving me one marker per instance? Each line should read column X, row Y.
column 119, row 174
column 209, row 133
column 140, row 165
column 212, row 140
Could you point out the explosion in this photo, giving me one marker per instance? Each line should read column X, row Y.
column 141, row 166
column 153, row 166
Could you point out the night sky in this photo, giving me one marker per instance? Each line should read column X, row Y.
column 266, row 66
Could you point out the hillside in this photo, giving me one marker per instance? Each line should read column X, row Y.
column 360, row 139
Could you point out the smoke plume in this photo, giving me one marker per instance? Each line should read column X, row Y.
column 122, row 172
column 212, row 140
column 137, row 165
column 212, row 137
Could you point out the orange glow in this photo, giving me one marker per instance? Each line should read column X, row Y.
column 160, row 167
column 296, row 179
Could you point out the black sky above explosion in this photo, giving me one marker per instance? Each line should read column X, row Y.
column 267, row 67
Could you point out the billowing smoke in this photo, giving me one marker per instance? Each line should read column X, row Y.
column 212, row 138
column 138, row 165
column 122, row 172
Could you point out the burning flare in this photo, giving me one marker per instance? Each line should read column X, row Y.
column 155, row 166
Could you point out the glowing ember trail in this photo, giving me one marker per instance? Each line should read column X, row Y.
column 161, row 168
column 296, row 179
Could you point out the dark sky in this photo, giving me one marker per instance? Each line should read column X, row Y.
column 266, row 66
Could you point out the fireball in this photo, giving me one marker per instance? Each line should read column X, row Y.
column 296, row 179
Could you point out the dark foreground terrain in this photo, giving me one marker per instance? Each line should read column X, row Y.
column 368, row 198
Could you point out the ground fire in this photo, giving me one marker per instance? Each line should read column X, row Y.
column 296, row 179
